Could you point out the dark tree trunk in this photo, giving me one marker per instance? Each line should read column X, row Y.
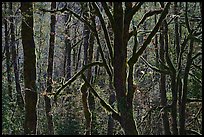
column 50, row 71
column 119, row 64
column 87, row 113
column 182, row 109
column 20, row 100
column 78, row 57
column 86, row 33
column 74, row 49
column 156, row 42
column 173, row 83
column 7, row 49
column 96, row 68
column 177, row 44
column 91, row 99
column 29, row 68
column 111, row 91
column 163, row 86
column 84, row 88
column 67, row 53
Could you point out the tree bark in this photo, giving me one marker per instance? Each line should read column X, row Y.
column 29, row 68
column 177, row 44
column 84, row 88
column 182, row 107
column 91, row 98
column 20, row 100
column 163, row 85
column 7, row 49
column 67, row 54
column 119, row 64
column 173, row 83
column 49, row 72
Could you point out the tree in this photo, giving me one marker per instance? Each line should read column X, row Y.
column 193, row 32
column 50, row 71
column 7, row 49
column 163, row 84
column 84, row 89
column 121, row 37
column 111, row 68
column 125, row 99
column 31, row 96
column 20, row 100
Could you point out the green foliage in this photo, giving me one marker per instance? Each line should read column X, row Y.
column 195, row 88
column 12, row 118
column 69, row 126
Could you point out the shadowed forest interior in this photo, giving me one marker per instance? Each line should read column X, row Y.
column 102, row 68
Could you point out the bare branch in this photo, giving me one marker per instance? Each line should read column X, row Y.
column 104, row 29
column 75, row 76
column 136, row 7
column 115, row 115
column 134, row 58
column 154, row 68
column 148, row 14
column 72, row 12
column 108, row 13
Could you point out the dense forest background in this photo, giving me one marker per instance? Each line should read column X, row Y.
column 102, row 68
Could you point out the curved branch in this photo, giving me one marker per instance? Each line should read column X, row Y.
column 148, row 14
column 134, row 58
column 155, row 68
column 75, row 76
column 72, row 12
column 193, row 132
column 115, row 115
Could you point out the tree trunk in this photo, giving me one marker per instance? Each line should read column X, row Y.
column 7, row 49
column 156, row 41
column 177, row 44
column 67, row 48
column 29, row 68
column 111, row 90
column 96, row 68
column 91, row 99
column 119, row 64
column 87, row 113
column 163, row 86
column 74, row 49
column 50, row 71
column 78, row 58
column 20, row 100
column 182, row 107
column 84, row 88
column 173, row 83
